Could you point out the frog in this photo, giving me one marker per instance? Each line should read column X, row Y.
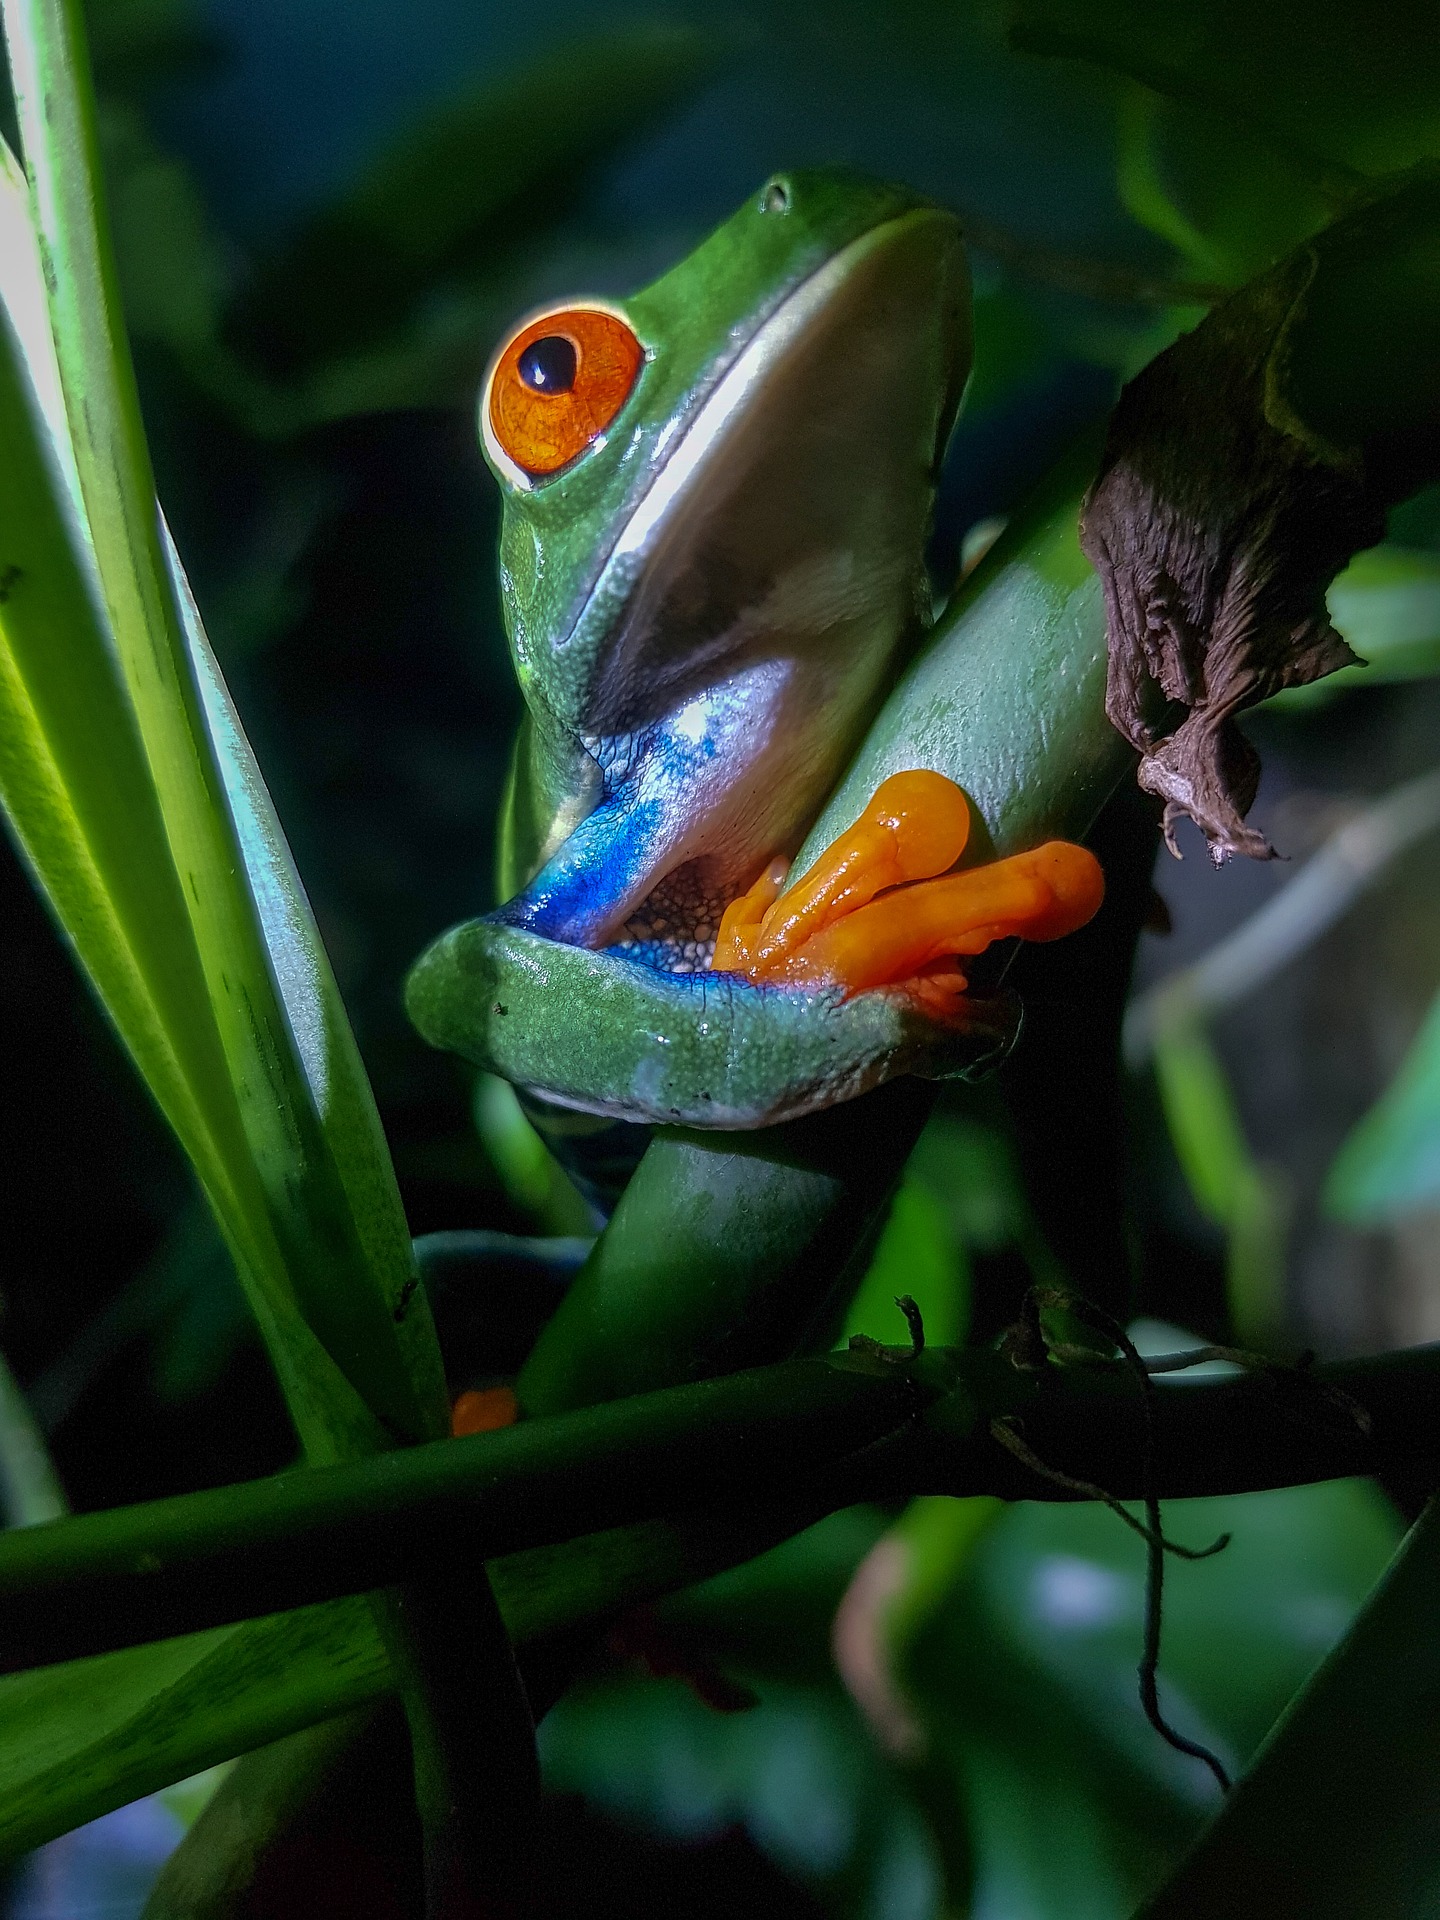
column 716, row 497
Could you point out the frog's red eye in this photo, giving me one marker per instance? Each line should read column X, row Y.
column 559, row 384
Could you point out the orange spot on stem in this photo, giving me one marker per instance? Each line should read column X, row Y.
column 484, row 1410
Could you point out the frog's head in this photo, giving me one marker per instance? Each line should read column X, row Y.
column 716, row 496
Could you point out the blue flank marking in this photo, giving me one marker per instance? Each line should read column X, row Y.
column 624, row 839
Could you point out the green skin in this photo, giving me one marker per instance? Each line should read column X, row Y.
column 619, row 641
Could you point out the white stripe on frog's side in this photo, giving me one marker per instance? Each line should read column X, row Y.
column 683, row 470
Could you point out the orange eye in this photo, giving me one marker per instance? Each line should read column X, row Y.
column 559, row 384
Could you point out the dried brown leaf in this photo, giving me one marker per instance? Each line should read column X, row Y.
column 1216, row 524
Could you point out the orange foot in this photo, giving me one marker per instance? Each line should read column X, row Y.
column 880, row 906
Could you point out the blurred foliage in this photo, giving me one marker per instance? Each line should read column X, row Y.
column 1335, row 1818
column 1390, row 1165
column 1245, row 1198
column 994, row 1653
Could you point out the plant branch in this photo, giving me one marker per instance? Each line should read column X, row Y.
column 808, row 1436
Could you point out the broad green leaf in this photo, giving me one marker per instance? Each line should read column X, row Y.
column 1387, row 605
column 1338, row 1816
column 1390, row 1165
column 1356, row 87
column 88, row 1736
column 138, row 802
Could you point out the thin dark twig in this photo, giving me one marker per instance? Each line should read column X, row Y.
column 1094, row 279
column 1154, row 1538
column 915, row 1321
column 1006, row 1432
column 1203, row 1356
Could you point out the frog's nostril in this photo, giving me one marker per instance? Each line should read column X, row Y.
column 775, row 197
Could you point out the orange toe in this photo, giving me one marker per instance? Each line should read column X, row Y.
column 1040, row 895
column 915, row 826
column 484, row 1410
column 739, row 934
column 880, row 906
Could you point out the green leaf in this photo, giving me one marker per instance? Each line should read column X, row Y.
column 1229, row 207
column 136, row 797
column 1338, row 1815
column 30, row 1492
column 1248, row 1199
column 1387, row 605
column 1390, row 1165
column 88, row 1736
column 1204, row 1126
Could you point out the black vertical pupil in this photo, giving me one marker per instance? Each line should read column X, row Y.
column 548, row 364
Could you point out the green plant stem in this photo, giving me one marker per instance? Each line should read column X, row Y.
column 769, row 1230
column 477, row 1774
column 809, row 1433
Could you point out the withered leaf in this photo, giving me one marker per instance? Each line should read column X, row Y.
column 1216, row 523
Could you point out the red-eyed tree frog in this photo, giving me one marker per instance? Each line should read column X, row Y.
column 716, row 499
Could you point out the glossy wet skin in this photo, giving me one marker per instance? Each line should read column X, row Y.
column 706, row 603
